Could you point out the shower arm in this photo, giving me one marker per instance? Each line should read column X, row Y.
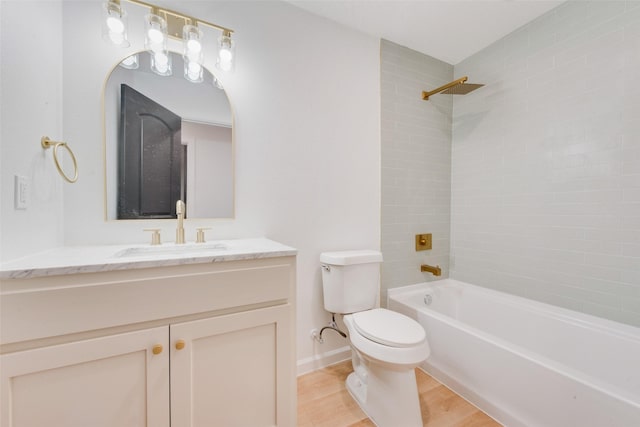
column 426, row 95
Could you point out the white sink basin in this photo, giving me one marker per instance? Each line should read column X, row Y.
column 192, row 249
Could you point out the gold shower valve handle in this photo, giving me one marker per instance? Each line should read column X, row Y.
column 424, row 242
column 157, row 349
column 180, row 344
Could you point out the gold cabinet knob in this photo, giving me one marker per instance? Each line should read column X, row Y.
column 157, row 349
column 179, row 345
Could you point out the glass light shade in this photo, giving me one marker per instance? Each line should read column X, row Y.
column 114, row 24
column 155, row 33
column 130, row 62
column 193, row 71
column 192, row 44
column 161, row 63
column 226, row 52
column 192, row 53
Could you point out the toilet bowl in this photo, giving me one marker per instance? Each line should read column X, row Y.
column 386, row 346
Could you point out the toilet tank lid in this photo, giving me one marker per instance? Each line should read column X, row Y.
column 350, row 257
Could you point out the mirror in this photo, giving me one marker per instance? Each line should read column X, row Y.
column 167, row 138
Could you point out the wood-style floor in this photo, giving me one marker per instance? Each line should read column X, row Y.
column 323, row 401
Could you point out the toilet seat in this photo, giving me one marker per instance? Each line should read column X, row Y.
column 389, row 328
column 394, row 357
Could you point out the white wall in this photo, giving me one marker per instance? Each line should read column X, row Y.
column 546, row 162
column 416, row 164
column 31, row 99
column 306, row 102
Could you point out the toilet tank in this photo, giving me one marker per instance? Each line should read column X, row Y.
column 350, row 280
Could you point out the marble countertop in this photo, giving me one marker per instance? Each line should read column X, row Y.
column 92, row 259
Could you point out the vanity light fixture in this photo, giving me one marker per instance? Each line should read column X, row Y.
column 160, row 24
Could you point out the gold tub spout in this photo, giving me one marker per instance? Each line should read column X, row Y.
column 436, row 271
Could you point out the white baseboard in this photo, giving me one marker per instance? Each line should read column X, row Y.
column 323, row 360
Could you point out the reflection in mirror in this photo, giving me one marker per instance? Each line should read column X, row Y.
column 167, row 139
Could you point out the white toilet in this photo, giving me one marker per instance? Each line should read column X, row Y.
column 386, row 346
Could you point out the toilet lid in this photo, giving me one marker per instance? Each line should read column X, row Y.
column 388, row 327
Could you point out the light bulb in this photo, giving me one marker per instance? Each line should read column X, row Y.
column 161, row 63
column 194, row 67
column 161, row 59
column 194, row 46
column 193, row 72
column 155, row 35
column 115, row 24
column 225, row 55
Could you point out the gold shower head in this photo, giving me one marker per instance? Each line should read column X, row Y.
column 456, row 87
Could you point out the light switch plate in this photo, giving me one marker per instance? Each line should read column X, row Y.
column 21, row 192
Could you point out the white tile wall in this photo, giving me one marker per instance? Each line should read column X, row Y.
column 546, row 162
column 416, row 164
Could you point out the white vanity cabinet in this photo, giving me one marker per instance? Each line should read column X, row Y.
column 227, row 372
column 102, row 382
column 208, row 344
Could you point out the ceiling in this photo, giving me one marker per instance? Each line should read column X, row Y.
column 450, row 30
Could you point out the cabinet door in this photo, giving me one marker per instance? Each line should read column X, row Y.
column 103, row 382
column 234, row 370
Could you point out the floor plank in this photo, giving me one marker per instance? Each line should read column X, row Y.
column 323, row 401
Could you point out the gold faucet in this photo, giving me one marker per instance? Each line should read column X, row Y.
column 180, row 229
column 436, row 271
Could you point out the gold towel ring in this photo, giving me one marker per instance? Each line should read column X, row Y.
column 47, row 143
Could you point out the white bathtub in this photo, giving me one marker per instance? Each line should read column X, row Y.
column 527, row 363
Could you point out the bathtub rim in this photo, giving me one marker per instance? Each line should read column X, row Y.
column 622, row 330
